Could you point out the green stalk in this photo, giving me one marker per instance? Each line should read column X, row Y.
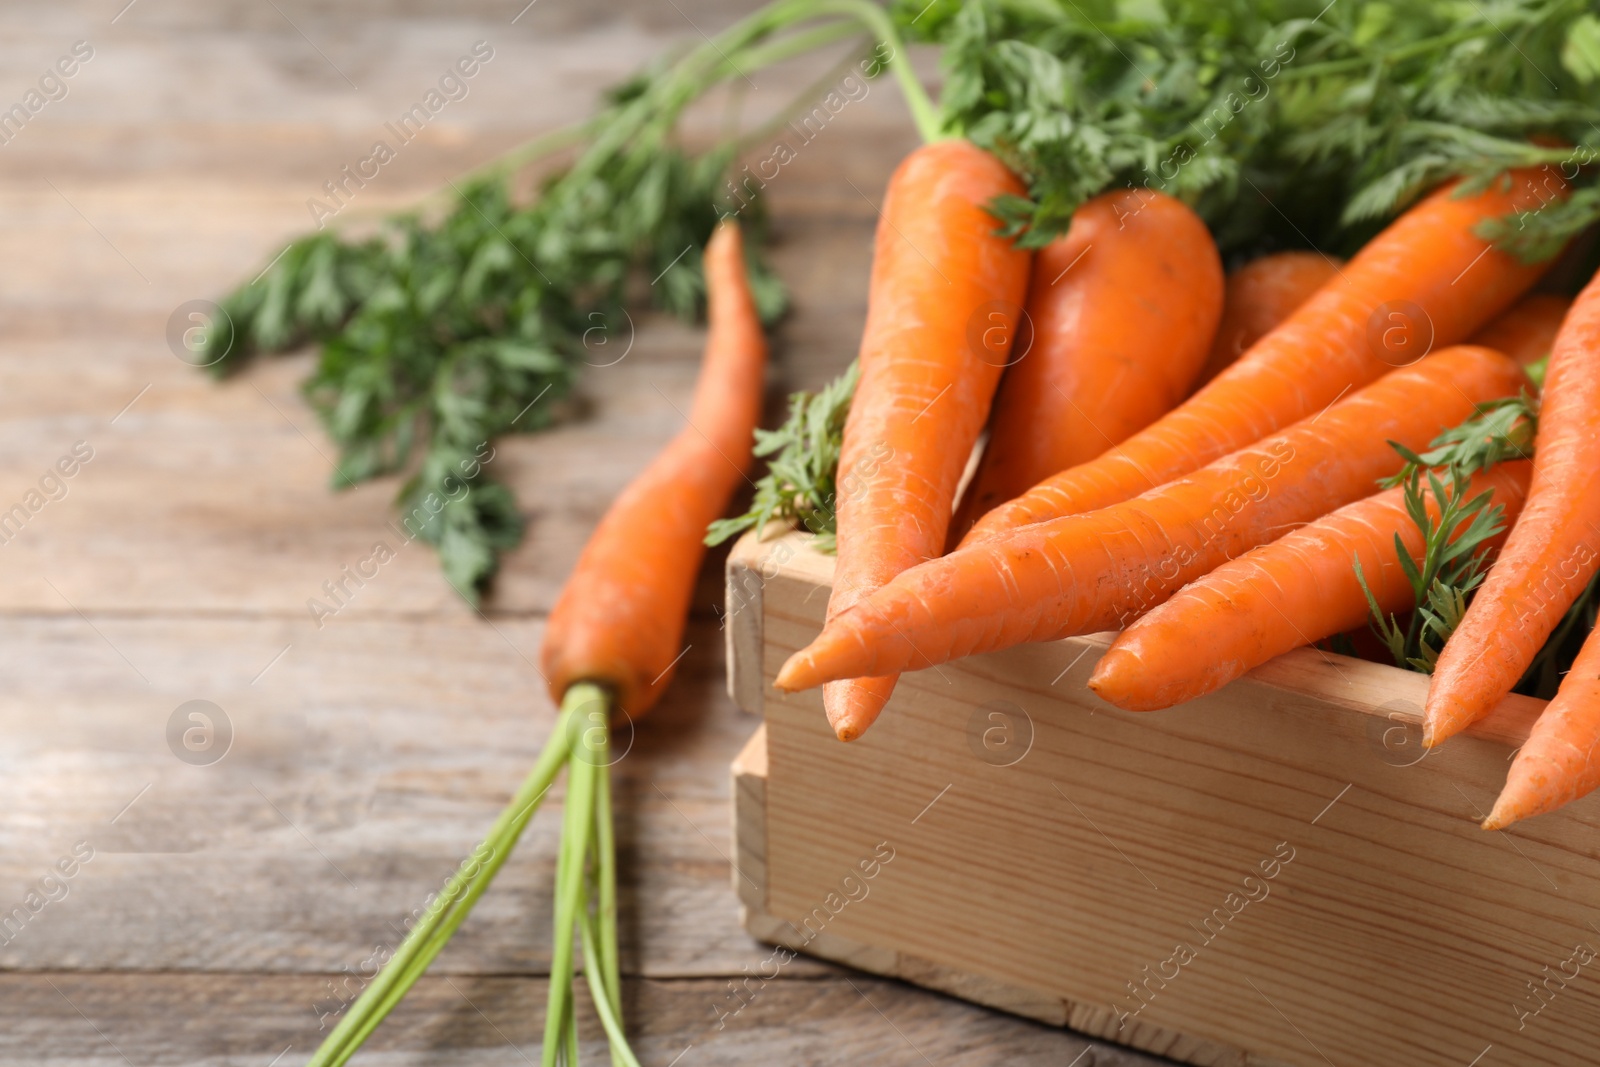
column 799, row 43
column 741, row 47
column 605, row 877
column 801, row 102
column 452, row 905
column 610, row 1020
column 576, row 832
column 559, row 1020
column 929, row 123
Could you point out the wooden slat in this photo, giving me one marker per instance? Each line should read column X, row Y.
column 365, row 763
column 75, row 1020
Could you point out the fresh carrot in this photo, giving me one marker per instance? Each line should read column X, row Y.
column 1121, row 309
column 610, row 644
column 1084, row 573
column 1528, row 329
column 945, row 298
column 1551, row 553
column 1259, row 296
column 1291, row 592
column 616, row 628
column 1560, row 761
column 619, row 620
column 1428, row 278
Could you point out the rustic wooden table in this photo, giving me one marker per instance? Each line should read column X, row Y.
column 218, row 912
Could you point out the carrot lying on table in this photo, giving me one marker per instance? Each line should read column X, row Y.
column 610, row 644
column 1527, row 330
column 617, row 627
column 1260, row 295
column 1349, row 333
column 1121, row 308
column 620, row 617
column 1551, row 553
column 1292, row 592
column 1084, row 573
column 945, row 299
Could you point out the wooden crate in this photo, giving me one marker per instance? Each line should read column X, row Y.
column 1270, row 875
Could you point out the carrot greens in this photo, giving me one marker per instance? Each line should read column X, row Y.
column 799, row 485
column 1456, row 533
column 443, row 331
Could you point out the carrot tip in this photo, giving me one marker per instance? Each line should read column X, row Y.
column 786, row 675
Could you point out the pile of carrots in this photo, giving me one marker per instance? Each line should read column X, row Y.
column 1190, row 458
column 1195, row 460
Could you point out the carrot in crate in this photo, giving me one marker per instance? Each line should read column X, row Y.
column 944, row 304
column 1428, row 279
column 1119, row 315
column 1085, row 573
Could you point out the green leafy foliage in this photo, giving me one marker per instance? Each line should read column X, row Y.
column 1456, row 534
column 438, row 336
column 800, row 483
column 1456, row 539
column 1499, row 430
column 1283, row 122
column 1454, row 562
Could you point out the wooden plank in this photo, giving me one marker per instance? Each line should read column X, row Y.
column 75, row 1020
column 365, row 762
column 1072, row 858
column 205, row 497
column 193, row 479
column 750, row 771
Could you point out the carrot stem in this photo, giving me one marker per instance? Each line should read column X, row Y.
column 924, row 114
column 588, row 725
column 450, row 908
column 593, row 970
column 605, row 877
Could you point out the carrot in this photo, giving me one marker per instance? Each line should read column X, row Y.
column 945, row 297
column 1121, row 310
column 1084, row 573
column 1292, row 592
column 1551, row 553
column 1528, row 329
column 619, row 620
column 1427, row 274
column 1559, row 762
column 1259, row 296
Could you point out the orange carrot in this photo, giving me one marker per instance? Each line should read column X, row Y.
column 1121, row 309
column 1528, row 330
column 1259, row 296
column 1560, row 761
column 945, row 297
column 619, row 620
column 1553, row 550
column 1292, row 592
column 1084, row 573
column 1427, row 278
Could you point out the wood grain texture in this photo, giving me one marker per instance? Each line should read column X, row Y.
column 369, row 754
column 1330, row 889
column 79, row 1020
